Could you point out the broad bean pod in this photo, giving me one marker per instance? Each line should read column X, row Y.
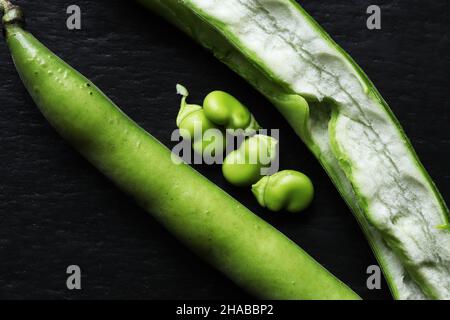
column 343, row 119
column 206, row 219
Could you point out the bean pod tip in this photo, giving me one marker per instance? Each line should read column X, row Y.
column 12, row 14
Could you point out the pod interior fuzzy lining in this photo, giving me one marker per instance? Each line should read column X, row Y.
column 397, row 198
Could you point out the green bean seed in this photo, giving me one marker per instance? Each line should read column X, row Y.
column 242, row 167
column 193, row 124
column 289, row 190
column 225, row 110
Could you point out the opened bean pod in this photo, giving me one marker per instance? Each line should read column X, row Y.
column 337, row 111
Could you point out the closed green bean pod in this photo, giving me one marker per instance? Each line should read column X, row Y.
column 218, row 228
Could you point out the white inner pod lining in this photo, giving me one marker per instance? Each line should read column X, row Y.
column 400, row 202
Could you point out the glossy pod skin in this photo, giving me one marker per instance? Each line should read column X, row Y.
column 205, row 218
column 225, row 110
column 242, row 167
column 285, row 190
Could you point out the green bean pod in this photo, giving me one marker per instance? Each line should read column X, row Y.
column 206, row 219
column 339, row 114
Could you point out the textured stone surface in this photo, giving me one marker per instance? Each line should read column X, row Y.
column 57, row 210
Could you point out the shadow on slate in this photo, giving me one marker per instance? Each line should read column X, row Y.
column 57, row 210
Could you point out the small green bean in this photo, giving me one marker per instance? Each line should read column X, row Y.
column 225, row 110
column 242, row 167
column 290, row 190
column 193, row 124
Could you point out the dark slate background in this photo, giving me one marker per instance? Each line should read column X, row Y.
column 57, row 210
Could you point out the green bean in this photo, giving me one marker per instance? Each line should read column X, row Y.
column 288, row 189
column 225, row 110
column 205, row 218
column 193, row 125
column 243, row 167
